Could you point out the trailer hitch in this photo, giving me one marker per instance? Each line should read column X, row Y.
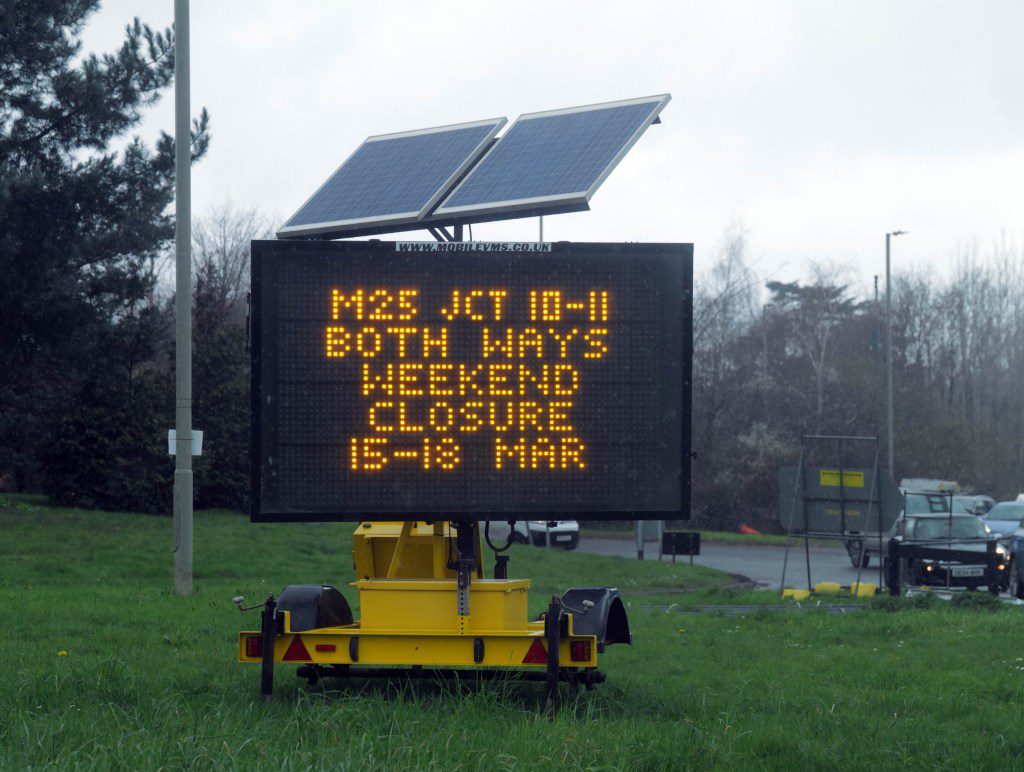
column 238, row 600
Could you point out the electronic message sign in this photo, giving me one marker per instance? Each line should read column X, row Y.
column 470, row 380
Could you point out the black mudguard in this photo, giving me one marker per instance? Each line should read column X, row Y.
column 606, row 618
column 313, row 606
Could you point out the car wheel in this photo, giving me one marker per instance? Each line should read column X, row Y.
column 853, row 547
column 518, row 538
column 1016, row 586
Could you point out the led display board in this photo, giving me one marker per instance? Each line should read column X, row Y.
column 475, row 380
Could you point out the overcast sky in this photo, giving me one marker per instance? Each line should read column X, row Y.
column 820, row 125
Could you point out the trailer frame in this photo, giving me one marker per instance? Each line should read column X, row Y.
column 422, row 627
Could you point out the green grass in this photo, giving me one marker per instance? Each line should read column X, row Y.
column 623, row 530
column 762, row 538
column 747, row 538
column 150, row 679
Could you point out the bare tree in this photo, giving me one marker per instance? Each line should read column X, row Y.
column 220, row 251
column 724, row 302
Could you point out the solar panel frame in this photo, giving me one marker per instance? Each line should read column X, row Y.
column 580, row 197
column 395, row 218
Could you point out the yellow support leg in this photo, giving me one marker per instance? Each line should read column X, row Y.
column 396, row 556
column 440, row 551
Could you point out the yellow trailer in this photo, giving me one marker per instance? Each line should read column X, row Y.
column 427, row 611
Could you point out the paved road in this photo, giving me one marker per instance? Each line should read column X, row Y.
column 760, row 562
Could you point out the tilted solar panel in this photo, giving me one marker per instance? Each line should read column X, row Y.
column 393, row 179
column 560, row 156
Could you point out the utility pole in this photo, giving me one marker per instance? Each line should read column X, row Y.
column 888, row 351
column 876, row 333
column 764, row 340
column 182, row 306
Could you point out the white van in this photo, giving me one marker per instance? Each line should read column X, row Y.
column 539, row 533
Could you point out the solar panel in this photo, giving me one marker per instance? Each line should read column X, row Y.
column 560, row 156
column 393, row 179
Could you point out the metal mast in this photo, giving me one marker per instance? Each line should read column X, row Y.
column 182, row 306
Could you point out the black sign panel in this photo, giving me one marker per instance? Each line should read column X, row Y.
column 411, row 380
column 836, row 501
column 680, row 543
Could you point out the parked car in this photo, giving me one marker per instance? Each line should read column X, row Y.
column 540, row 533
column 985, row 503
column 1004, row 518
column 915, row 503
column 977, row 504
column 938, row 503
column 957, row 532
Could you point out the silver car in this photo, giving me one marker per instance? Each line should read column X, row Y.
column 1004, row 518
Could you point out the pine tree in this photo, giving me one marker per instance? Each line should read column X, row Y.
column 83, row 214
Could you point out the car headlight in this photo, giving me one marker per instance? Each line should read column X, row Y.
column 1001, row 550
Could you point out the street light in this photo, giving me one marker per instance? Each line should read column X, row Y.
column 888, row 348
column 183, row 306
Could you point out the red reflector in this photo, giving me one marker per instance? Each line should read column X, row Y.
column 296, row 651
column 254, row 646
column 537, row 655
column 325, row 647
column 579, row 651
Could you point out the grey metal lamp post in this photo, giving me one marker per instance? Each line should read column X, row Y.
column 182, row 306
column 888, row 349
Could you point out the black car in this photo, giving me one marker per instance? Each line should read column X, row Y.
column 955, row 532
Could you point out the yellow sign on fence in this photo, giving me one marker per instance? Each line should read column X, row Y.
column 830, row 478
